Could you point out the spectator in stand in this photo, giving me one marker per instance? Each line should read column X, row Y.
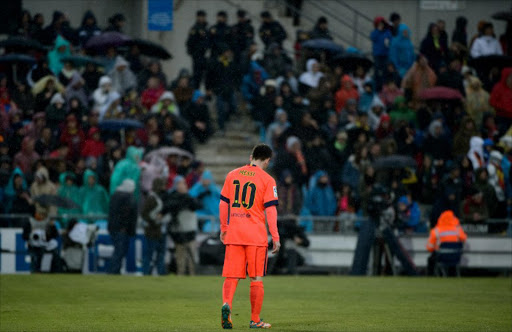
column 122, row 222
column 93, row 146
column 401, row 50
column 242, row 34
column 377, row 109
column 346, row 207
column 60, row 50
column 381, row 38
column 321, row 30
column 270, row 30
column 434, row 47
column 123, row 79
column 452, row 78
column 43, row 186
column 198, row 117
column 418, row 78
column 58, row 27
column 17, row 197
column 459, row 33
column 41, row 233
column 276, row 61
column 116, row 23
column 505, row 39
column 197, row 45
column 462, row 138
column 443, row 35
column 183, row 92
column 89, row 28
column 220, row 81
column 155, row 229
column 166, row 105
column 72, row 136
column 153, row 69
column 482, row 185
column 208, row 195
column 497, row 181
column 409, row 214
column 321, row 200
column 219, row 35
column 26, row 157
column 394, row 19
column 437, row 144
column 311, row 77
column 476, row 152
column 128, row 168
column 277, row 128
column 292, row 158
column 44, row 145
column 477, row 100
column 474, row 208
column 401, row 112
column 390, row 92
column 75, row 90
column 486, row 44
column 69, row 190
column 501, row 99
column 151, row 95
column 347, row 91
column 290, row 195
column 355, row 167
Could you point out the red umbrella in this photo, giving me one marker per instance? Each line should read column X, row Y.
column 440, row 92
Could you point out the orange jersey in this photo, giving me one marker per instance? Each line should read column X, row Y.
column 248, row 191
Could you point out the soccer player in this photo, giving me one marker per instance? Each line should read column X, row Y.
column 248, row 194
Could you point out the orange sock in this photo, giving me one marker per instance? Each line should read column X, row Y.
column 228, row 290
column 257, row 293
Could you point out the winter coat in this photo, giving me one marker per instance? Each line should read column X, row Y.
column 209, row 197
column 94, row 199
column 448, row 229
column 73, row 92
column 183, row 227
column 92, row 148
column 14, row 203
column 85, row 32
column 401, row 51
column 344, row 94
column 378, row 37
column 153, row 206
column 321, row 201
column 485, row 45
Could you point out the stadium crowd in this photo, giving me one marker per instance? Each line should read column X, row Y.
column 65, row 129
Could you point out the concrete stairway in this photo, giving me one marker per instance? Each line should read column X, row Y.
column 224, row 153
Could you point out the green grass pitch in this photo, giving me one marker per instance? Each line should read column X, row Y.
column 124, row 303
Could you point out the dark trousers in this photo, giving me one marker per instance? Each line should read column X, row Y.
column 199, row 65
column 225, row 107
column 121, row 241
column 152, row 246
column 36, row 257
column 380, row 67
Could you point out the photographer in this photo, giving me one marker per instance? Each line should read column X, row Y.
column 155, row 228
column 183, row 227
column 41, row 234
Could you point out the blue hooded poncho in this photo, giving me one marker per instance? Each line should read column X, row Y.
column 70, row 192
column 320, row 201
column 94, row 199
column 54, row 56
column 401, row 51
column 128, row 168
column 211, row 201
column 10, row 192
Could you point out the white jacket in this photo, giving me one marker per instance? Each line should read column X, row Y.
column 486, row 45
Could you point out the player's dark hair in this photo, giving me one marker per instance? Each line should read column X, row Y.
column 261, row 152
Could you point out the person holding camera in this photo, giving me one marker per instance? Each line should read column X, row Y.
column 40, row 233
column 155, row 229
column 183, row 227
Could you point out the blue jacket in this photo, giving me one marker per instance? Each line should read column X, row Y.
column 210, row 201
column 401, row 51
column 321, row 201
column 379, row 48
column 414, row 210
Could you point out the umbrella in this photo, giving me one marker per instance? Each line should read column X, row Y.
column 120, row 124
column 353, row 60
column 82, row 60
column 168, row 151
column 22, row 44
column 14, row 59
column 485, row 63
column 394, row 161
column 503, row 16
column 106, row 40
column 323, row 45
column 151, row 49
column 54, row 200
column 440, row 92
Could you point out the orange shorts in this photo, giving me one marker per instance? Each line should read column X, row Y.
column 241, row 261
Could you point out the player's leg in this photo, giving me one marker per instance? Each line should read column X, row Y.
column 256, row 267
column 234, row 269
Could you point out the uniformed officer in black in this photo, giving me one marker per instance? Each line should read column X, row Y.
column 271, row 31
column 197, row 46
column 220, row 35
column 243, row 34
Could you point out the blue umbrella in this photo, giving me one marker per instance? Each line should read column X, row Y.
column 323, row 45
column 120, row 124
column 14, row 59
column 17, row 44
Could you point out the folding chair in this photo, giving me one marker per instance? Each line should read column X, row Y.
column 448, row 256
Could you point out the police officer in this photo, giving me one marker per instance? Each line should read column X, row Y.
column 243, row 34
column 220, row 35
column 271, row 31
column 197, row 45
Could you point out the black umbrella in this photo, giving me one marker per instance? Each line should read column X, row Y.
column 106, row 40
column 14, row 59
column 120, row 124
column 20, row 44
column 351, row 61
column 323, row 45
column 394, row 161
column 54, row 200
column 151, row 49
column 82, row 60
column 485, row 63
column 503, row 16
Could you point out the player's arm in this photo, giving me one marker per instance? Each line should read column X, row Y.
column 224, row 210
column 271, row 212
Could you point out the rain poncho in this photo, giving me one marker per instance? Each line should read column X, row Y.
column 54, row 56
column 94, row 199
column 123, row 80
column 309, row 77
column 209, row 197
column 71, row 192
column 401, row 51
column 402, row 113
column 128, row 168
column 320, row 201
column 10, row 192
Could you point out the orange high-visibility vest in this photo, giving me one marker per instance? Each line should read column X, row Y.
column 448, row 229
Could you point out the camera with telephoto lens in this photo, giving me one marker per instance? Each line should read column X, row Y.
column 380, row 200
